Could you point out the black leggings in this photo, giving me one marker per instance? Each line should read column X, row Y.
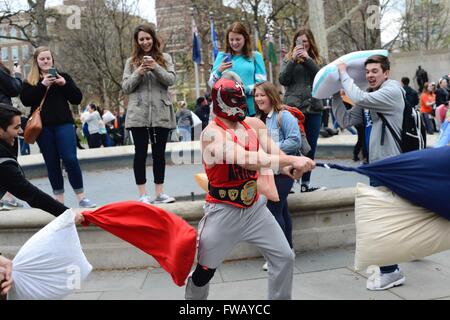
column 158, row 138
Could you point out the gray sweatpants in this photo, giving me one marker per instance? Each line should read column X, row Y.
column 224, row 226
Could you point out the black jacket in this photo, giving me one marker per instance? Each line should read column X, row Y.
column 203, row 113
column 411, row 96
column 9, row 86
column 12, row 179
column 441, row 97
column 56, row 109
column 298, row 80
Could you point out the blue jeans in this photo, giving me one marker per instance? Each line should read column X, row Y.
column 280, row 209
column 383, row 269
column 59, row 143
column 312, row 130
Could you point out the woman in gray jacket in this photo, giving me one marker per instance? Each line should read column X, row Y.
column 147, row 76
column 297, row 74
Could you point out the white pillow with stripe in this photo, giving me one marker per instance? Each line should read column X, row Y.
column 326, row 82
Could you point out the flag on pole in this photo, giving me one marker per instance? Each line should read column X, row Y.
column 271, row 52
column 214, row 40
column 196, row 45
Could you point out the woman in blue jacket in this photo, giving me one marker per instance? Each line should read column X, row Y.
column 241, row 59
column 284, row 130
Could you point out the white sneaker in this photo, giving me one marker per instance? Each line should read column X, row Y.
column 192, row 292
column 265, row 266
column 383, row 281
column 145, row 199
column 163, row 198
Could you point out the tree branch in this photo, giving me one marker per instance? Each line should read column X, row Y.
column 348, row 16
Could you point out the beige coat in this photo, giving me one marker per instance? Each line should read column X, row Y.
column 149, row 103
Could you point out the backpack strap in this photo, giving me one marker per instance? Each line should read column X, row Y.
column 279, row 117
column 388, row 125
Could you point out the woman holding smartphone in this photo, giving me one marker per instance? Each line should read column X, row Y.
column 241, row 59
column 57, row 140
column 297, row 74
column 147, row 76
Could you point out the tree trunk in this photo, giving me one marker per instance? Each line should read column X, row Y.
column 40, row 16
column 317, row 25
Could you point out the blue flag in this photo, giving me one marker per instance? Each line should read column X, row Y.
column 422, row 177
column 196, row 45
column 214, row 40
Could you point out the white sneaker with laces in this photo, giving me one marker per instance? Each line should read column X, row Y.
column 383, row 281
column 86, row 203
column 163, row 198
column 145, row 199
column 11, row 204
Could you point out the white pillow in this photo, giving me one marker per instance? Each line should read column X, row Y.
column 326, row 81
column 391, row 230
column 108, row 116
column 51, row 264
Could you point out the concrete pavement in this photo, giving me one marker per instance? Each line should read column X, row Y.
column 318, row 275
column 106, row 186
column 325, row 274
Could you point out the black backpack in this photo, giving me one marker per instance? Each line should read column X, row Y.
column 413, row 133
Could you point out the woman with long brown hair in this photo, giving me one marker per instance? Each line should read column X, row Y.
column 283, row 128
column 57, row 140
column 240, row 58
column 298, row 70
column 147, row 76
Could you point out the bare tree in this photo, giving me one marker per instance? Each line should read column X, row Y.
column 425, row 25
column 32, row 23
column 358, row 33
column 95, row 54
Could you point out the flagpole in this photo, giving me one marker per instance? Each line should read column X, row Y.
column 197, row 85
column 211, row 21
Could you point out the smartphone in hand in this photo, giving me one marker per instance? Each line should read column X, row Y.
column 227, row 57
column 52, row 72
column 299, row 42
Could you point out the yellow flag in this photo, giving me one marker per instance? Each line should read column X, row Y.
column 260, row 48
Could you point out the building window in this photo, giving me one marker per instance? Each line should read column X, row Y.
column 5, row 54
column 15, row 53
column 25, row 52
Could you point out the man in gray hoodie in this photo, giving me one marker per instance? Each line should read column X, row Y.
column 383, row 96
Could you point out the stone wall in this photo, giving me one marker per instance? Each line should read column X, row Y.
column 435, row 62
column 320, row 220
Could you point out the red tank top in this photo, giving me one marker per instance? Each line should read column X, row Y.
column 233, row 175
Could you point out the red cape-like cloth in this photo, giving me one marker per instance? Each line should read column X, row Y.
column 161, row 234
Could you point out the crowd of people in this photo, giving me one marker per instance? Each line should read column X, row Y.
column 243, row 118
